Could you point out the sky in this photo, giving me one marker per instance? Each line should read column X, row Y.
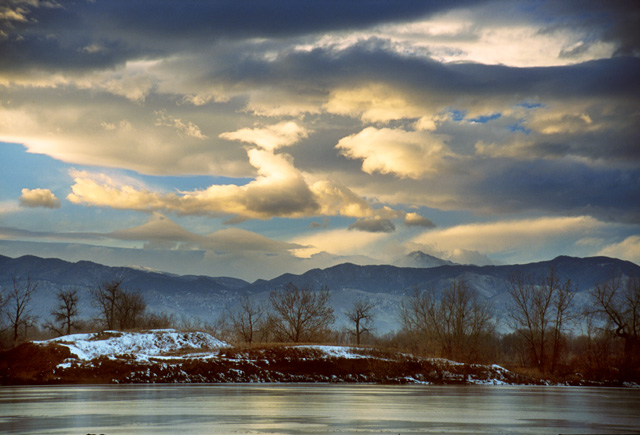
column 253, row 138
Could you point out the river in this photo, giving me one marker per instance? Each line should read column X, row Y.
column 317, row 408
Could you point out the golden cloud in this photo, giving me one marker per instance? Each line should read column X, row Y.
column 39, row 198
column 270, row 137
column 279, row 190
column 373, row 103
column 500, row 236
column 412, row 154
column 628, row 249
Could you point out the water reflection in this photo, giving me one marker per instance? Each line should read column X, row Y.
column 187, row 409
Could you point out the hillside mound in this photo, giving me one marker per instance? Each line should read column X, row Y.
column 169, row 356
column 139, row 345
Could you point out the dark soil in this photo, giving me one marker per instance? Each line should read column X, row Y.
column 35, row 364
column 29, row 363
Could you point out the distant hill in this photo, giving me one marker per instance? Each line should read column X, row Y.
column 583, row 272
column 205, row 298
column 193, row 296
column 420, row 259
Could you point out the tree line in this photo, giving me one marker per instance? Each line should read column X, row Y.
column 117, row 308
column 542, row 317
column 454, row 324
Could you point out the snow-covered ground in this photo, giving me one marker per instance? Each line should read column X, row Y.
column 167, row 355
column 141, row 345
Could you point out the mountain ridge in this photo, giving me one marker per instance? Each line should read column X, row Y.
column 206, row 298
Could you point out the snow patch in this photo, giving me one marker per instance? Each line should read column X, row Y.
column 334, row 351
column 142, row 345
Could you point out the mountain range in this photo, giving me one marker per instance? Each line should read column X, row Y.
column 205, row 298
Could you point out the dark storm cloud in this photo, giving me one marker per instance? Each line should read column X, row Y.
column 322, row 69
column 618, row 21
column 538, row 174
column 560, row 186
column 373, row 61
column 608, row 90
column 503, row 186
column 87, row 35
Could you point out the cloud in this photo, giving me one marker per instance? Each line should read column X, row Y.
column 279, row 190
column 628, row 249
column 373, row 103
column 336, row 242
column 117, row 133
column 320, row 225
column 160, row 232
column 465, row 256
column 415, row 220
column 17, row 14
column 334, row 198
column 504, row 237
column 126, row 33
column 375, row 225
column 39, row 198
column 186, row 128
column 392, row 151
column 271, row 137
column 471, row 34
column 423, row 108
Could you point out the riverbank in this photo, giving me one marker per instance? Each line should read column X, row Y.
column 169, row 356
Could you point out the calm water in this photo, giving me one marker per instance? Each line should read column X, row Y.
column 202, row 409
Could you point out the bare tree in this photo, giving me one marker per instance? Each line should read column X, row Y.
column 130, row 310
column 118, row 307
column 457, row 323
column 247, row 319
column 464, row 320
column 361, row 316
column 418, row 315
column 105, row 298
column 563, row 314
column 540, row 309
column 17, row 310
column 617, row 303
column 301, row 314
column 65, row 313
column 4, row 300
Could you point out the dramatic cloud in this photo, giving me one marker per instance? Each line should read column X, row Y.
column 335, row 198
column 511, row 125
column 39, row 198
column 271, row 137
column 404, row 153
column 279, row 190
column 90, row 35
column 373, row 103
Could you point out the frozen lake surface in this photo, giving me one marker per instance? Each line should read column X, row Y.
column 288, row 409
